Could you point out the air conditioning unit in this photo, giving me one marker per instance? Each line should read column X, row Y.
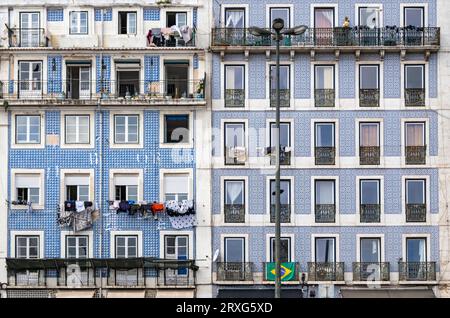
column 325, row 291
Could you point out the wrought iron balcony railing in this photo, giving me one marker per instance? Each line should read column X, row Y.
column 369, row 97
column 234, row 98
column 415, row 97
column 75, row 91
column 235, row 271
column 176, row 277
column 415, row 155
column 370, row 213
column 369, row 155
column 285, row 97
column 324, row 97
column 335, row 37
column 234, row 213
column 322, row 271
column 285, row 213
column 325, row 213
column 27, row 37
column 371, row 271
column 417, row 271
column 416, row 212
column 325, row 155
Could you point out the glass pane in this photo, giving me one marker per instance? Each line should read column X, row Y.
column 133, row 193
column 370, row 250
column 369, row 134
column 284, row 135
column 323, row 17
column 234, row 77
column 234, row 135
column 234, row 192
column 235, row 18
column 416, row 250
column 370, row 192
column 369, row 77
column 325, row 192
column 234, row 250
column 324, row 135
column 285, row 246
column 414, row 17
column 414, row 76
column 280, row 13
column 177, row 128
column 324, row 77
column 369, row 16
column 415, row 191
column 415, row 134
column 284, row 77
column 284, row 191
column 83, row 194
column 34, row 195
column 325, row 250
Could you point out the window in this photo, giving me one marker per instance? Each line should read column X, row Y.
column 370, row 250
column 416, row 250
column 369, row 135
column 127, row 22
column 414, row 16
column 126, row 186
column 285, row 195
column 235, row 143
column 415, row 134
column 176, row 18
column 285, row 249
column 234, row 86
column 415, row 191
column 235, row 18
column 325, row 209
column 30, row 78
column 324, row 144
column 234, row 190
column 176, row 247
column 369, row 83
column 29, row 29
column 77, row 129
column 177, row 76
column 369, row 16
column 324, row 94
column 78, row 80
column 285, row 94
column 126, row 129
column 28, row 188
column 370, row 192
column 76, row 246
column 27, row 247
column 78, row 22
column 324, row 18
column 77, row 187
column 28, row 129
column 285, row 143
column 234, row 250
column 126, row 246
column 176, row 128
column 176, row 186
column 280, row 13
column 414, row 76
column 325, row 250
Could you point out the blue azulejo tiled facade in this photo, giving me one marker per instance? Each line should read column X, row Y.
column 359, row 131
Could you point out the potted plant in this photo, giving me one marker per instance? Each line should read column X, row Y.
column 200, row 89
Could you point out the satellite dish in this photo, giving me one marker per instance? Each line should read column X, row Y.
column 216, row 255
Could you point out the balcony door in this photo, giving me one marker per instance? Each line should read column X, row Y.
column 325, row 250
column 235, row 18
column 285, row 250
column 29, row 29
column 324, row 85
column 177, row 248
column 280, row 13
column 78, row 82
column 30, row 79
column 370, row 200
column 234, row 250
column 370, row 250
column 234, row 201
column 323, row 26
column 369, row 17
column 416, row 258
column 177, row 75
column 325, row 201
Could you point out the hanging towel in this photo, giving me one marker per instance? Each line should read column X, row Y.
column 182, row 222
column 79, row 205
column 186, row 33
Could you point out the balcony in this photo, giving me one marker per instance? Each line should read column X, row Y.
column 324, row 155
column 289, row 271
column 27, row 37
column 369, row 271
column 171, row 92
column 416, row 212
column 235, row 271
column 234, row 98
column 285, row 97
column 414, row 97
column 325, row 213
column 324, row 97
column 369, row 155
column 322, row 271
column 369, row 97
column 417, row 271
column 234, row 213
column 285, row 213
column 415, row 155
column 370, row 213
column 175, row 274
column 386, row 38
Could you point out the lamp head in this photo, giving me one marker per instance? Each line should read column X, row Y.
column 259, row 31
column 278, row 24
column 296, row 30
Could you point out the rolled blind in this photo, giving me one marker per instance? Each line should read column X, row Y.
column 77, row 179
column 27, row 181
column 176, row 183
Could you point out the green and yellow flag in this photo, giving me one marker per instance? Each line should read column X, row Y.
column 287, row 271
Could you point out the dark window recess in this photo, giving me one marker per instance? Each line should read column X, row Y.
column 72, row 193
column 22, row 194
column 176, row 129
column 121, row 193
column 123, row 22
column 128, row 83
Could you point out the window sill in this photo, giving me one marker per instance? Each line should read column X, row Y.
column 25, row 207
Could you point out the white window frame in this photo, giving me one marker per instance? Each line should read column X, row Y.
column 162, row 126
column 36, row 206
column 427, row 193
column 280, row 6
column 113, row 235
column 425, row 83
column 380, row 178
column 140, row 181
column 380, row 122
column 291, row 238
column 141, row 123
column 415, row 5
column 221, row 104
column 291, row 78
column 129, row 27
column 63, row 187
column 91, row 143
column 75, row 30
column 369, row 236
column 291, row 198
column 336, row 198
column 89, row 234
column 324, row 235
column 403, row 139
column 14, row 234
column 163, row 172
column 416, row 236
column 313, row 6
column 235, row 6
column 222, row 199
column 17, row 145
column 379, row 7
column 235, row 236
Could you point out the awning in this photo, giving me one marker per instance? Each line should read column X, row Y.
column 78, row 63
column 75, row 294
column 176, row 62
column 127, row 63
column 387, row 293
column 125, row 294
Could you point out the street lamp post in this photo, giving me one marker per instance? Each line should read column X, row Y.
column 277, row 25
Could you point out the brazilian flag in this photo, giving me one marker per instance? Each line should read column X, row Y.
column 287, row 271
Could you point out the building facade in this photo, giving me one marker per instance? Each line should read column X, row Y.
column 102, row 125
column 361, row 166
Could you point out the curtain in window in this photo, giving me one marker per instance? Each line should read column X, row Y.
column 324, row 18
column 234, row 19
column 414, row 135
column 369, row 135
column 235, row 77
column 234, row 192
column 324, row 77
